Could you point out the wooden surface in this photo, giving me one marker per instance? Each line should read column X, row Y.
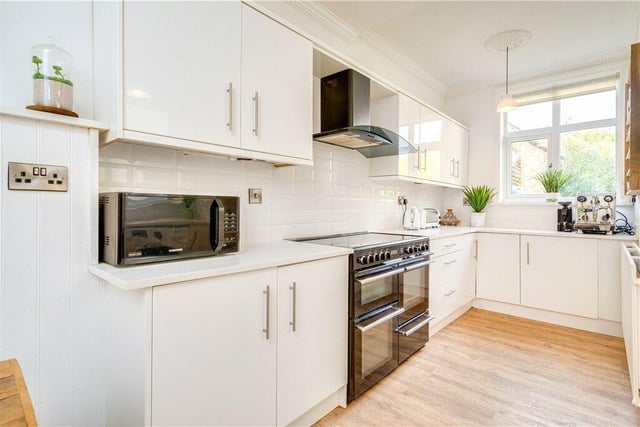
column 15, row 405
column 492, row 369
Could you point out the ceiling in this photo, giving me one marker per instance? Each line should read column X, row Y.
column 447, row 39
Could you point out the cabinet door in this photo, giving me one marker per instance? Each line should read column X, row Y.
column 277, row 88
column 560, row 274
column 455, row 142
column 312, row 359
column 182, row 70
column 609, row 280
column 409, row 129
column 497, row 270
column 212, row 362
column 431, row 163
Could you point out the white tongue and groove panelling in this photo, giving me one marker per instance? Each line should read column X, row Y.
column 49, row 303
column 334, row 196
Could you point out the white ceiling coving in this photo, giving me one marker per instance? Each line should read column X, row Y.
column 446, row 39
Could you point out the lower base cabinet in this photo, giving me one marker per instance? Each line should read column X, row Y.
column 498, row 267
column 560, row 274
column 256, row 348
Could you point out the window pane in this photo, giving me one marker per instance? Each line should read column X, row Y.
column 528, row 158
column 586, row 108
column 589, row 156
column 534, row 116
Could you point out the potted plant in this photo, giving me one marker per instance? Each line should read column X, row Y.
column 478, row 197
column 553, row 180
column 52, row 90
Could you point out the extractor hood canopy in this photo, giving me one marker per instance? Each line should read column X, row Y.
column 345, row 117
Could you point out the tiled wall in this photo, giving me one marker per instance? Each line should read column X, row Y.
column 334, row 196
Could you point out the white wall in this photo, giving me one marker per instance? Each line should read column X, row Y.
column 334, row 196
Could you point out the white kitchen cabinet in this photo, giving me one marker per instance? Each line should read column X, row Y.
column 312, row 334
column 630, row 313
column 455, row 143
column 451, row 278
column 560, row 274
column 498, row 267
column 213, row 363
column 187, row 76
column 609, row 306
column 182, row 70
column 431, row 163
column 277, row 88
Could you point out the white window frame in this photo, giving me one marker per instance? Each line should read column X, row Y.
column 553, row 133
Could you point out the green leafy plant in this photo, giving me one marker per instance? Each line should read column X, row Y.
column 553, row 180
column 57, row 72
column 478, row 196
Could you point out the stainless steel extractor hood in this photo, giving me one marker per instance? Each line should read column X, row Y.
column 346, row 121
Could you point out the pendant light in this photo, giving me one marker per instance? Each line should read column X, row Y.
column 504, row 42
column 507, row 103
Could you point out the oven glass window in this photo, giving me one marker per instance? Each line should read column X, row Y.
column 376, row 290
column 377, row 348
column 414, row 288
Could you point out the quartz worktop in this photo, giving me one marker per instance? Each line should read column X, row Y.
column 448, row 231
column 254, row 256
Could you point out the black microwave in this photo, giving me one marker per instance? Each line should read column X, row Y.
column 138, row 228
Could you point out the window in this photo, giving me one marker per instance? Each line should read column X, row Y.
column 574, row 131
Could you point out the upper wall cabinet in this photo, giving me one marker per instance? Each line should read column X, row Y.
column 215, row 77
column 441, row 146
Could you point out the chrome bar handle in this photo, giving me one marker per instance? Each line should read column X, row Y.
column 266, row 328
column 371, row 279
column 292, row 322
column 230, row 116
column 450, row 245
column 418, row 265
column 415, row 328
column 255, row 114
column 451, row 292
column 425, row 159
column 450, row 262
column 220, row 220
column 476, row 245
column 527, row 253
column 457, row 168
column 395, row 313
column 451, row 167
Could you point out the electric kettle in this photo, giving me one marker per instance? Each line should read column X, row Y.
column 411, row 219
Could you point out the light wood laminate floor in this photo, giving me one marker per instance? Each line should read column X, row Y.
column 492, row 369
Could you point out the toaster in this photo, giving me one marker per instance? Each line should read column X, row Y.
column 429, row 218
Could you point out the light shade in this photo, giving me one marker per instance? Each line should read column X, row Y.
column 506, row 104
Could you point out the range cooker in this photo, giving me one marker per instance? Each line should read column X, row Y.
column 388, row 302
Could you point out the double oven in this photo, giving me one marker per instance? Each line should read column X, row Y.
column 388, row 303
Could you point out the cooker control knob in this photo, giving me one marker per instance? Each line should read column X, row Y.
column 376, row 257
column 362, row 259
column 387, row 255
column 370, row 259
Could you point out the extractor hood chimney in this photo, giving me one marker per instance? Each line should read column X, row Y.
column 345, row 118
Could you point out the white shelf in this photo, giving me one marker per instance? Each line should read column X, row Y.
column 53, row 118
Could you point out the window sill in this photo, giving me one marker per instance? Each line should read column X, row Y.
column 536, row 203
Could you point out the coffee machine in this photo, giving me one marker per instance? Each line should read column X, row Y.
column 565, row 217
column 596, row 213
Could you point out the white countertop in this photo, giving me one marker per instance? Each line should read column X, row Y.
column 447, row 231
column 273, row 254
column 252, row 257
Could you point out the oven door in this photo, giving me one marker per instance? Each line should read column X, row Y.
column 375, row 288
column 414, row 288
column 374, row 349
column 413, row 335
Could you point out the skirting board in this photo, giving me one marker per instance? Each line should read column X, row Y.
column 339, row 398
column 439, row 324
column 600, row 326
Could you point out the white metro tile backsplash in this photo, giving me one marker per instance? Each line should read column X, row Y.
column 334, row 196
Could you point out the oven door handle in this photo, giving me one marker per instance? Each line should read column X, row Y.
column 418, row 265
column 395, row 313
column 371, row 279
column 415, row 328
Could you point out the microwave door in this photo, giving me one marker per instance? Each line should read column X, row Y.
column 216, row 232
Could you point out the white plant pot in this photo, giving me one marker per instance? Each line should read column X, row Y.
column 478, row 219
column 51, row 93
column 551, row 197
